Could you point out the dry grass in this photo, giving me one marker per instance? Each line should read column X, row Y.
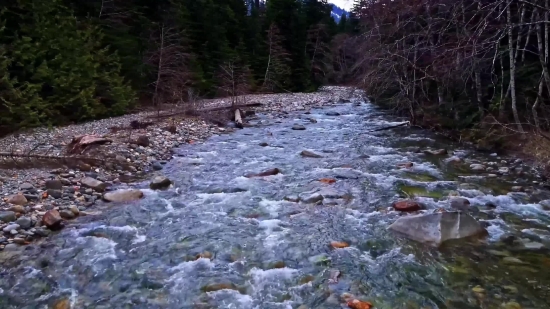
column 537, row 148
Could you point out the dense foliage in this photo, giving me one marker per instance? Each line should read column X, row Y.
column 64, row 61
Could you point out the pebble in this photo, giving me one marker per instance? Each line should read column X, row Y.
column 477, row 167
column 24, row 222
column 11, row 227
column 7, row 216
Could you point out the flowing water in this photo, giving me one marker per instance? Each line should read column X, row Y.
column 220, row 240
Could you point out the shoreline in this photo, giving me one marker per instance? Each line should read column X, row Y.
column 38, row 200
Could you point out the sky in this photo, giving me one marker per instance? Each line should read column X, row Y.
column 345, row 4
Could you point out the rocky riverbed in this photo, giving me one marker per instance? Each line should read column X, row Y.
column 38, row 200
column 314, row 208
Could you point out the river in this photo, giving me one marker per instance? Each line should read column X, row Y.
column 221, row 240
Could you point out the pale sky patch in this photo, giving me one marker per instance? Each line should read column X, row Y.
column 345, row 4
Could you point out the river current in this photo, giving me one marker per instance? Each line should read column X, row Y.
column 217, row 239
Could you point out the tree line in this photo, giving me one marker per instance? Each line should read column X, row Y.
column 65, row 61
column 458, row 64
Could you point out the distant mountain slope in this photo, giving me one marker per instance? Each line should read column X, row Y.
column 337, row 12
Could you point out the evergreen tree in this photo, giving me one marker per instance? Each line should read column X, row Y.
column 57, row 69
column 68, row 60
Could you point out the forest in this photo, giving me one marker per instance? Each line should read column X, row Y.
column 65, row 61
column 466, row 65
column 479, row 66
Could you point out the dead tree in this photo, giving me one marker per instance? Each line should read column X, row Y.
column 319, row 51
column 278, row 59
column 234, row 82
column 169, row 62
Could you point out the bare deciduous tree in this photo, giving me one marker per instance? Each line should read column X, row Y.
column 169, row 62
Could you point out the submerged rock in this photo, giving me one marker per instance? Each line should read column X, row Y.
column 310, row 154
column 477, row 167
column 339, row 244
column 438, row 152
column 436, row 228
column 159, row 183
column 405, row 165
column 407, row 205
column 269, row 172
column 123, row 196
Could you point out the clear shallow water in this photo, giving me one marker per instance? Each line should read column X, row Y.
column 260, row 251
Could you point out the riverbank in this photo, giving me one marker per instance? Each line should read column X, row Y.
column 38, row 199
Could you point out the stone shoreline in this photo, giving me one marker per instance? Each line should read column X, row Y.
column 36, row 201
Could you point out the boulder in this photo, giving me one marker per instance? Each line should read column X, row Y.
column 310, row 154
column 17, row 199
column 269, row 172
column 92, row 183
column 54, row 184
column 460, row 203
column 332, row 113
column 52, row 219
column 298, row 127
column 407, row 205
column 436, row 228
column 159, row 183
column 123, row 196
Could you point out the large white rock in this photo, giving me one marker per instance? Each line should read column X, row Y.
column 435, row 228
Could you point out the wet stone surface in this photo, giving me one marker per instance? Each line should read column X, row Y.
column 218, row 239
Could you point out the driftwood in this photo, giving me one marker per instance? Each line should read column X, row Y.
column 238, row 119
column 81, row 143
column 406, row 123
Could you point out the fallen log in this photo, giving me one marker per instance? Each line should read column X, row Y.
column 406, row 123
column 201, row 111
column 19, row 160
column 238, row 119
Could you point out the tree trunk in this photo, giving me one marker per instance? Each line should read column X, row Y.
column 512, row 66
column 479, row 94
column 440, row 98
